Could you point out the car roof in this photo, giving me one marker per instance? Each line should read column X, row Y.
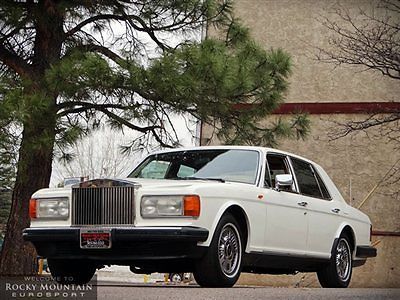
column 254, row 148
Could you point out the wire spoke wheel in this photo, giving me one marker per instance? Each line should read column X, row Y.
column 337, row 274
column 222, row 263
column 229, row 250
column 343, row 260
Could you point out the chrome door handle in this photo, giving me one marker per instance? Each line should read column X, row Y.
column 335, row 210
column 302, row 203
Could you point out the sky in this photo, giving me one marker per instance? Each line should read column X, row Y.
column 99, row 154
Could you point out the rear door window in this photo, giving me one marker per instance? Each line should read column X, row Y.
column 306, row 180
column 322, row 186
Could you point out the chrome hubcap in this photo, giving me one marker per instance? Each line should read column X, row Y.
column 229, row 250
column 343, row 260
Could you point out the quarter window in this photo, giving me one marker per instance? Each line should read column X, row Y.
column 306, row 179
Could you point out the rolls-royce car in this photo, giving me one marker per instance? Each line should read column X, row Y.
column 212, row 211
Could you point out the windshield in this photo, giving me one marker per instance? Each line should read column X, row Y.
column 224, row 164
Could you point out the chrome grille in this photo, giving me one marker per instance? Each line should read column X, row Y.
column 103, row 205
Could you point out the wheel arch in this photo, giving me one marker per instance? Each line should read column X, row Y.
column 330, row 276
column 239, row 213
column 349, row 231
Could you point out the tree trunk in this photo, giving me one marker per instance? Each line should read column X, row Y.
column 39, row 131
column 34, row 170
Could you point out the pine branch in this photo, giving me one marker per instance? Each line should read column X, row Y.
column 92, row 20
column 14, row 62
column 109, row 17
column 14, row 31
column 104, row 109
column 71, row 107
column 124, row 17
column 96, row 49
column 145, row 28
column 151, row 129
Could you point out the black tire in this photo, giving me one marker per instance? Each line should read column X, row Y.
column 71, row 271
column 338, row 273
column 222, row 264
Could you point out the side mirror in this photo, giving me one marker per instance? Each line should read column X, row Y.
column 283, row 180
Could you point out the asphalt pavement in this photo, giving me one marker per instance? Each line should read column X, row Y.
column 118, row 282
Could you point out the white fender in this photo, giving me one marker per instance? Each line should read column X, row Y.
column 223, row 208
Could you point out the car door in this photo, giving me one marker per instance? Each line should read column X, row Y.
column 286, row 220
column 322, row 212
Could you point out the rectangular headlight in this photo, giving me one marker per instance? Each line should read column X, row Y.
column 169, row 206
column 52, row 208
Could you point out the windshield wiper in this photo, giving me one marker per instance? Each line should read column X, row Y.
column 202, row 178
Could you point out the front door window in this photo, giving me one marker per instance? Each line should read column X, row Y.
column 276, row 165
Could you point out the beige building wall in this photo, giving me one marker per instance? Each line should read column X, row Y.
column 356, row 163
column 295, row 26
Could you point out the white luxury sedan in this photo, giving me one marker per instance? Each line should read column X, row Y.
column 213, row 211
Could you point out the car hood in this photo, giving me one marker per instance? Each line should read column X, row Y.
column 167, row 183
column 143, row 182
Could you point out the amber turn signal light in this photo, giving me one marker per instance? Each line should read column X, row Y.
column 191, row 205
column 32, row 208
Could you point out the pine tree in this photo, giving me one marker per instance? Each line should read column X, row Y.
column 5, row 205
column 67, row 66
column 7, row 170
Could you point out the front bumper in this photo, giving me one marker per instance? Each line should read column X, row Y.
column 128, row 243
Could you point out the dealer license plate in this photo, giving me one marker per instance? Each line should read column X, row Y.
column 95, row 238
